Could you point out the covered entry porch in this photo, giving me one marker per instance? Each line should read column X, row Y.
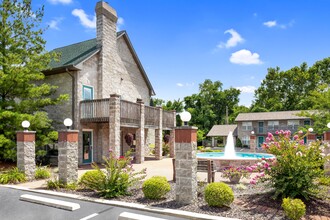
column 110, row 120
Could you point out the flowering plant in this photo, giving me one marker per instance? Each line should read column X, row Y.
column 297, row 166
column 231, row 172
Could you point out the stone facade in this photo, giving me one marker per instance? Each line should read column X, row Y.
column 26, row 153
column 186, row 165
column 59, row 112
column 159, row 137
column 114, row 124
column 68, row 156
column 140, row 137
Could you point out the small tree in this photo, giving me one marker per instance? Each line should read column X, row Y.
column 22, row 58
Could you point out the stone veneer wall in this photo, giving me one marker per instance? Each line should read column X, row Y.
column 59, row 112
column 26, row 153
column 68, row 156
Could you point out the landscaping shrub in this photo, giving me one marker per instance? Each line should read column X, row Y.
column 297, row 167
column 116, row 179
column 166, row 149
column 42, row 173
column 92, row 179
column 293, row 208
column 156, row 187
column 218, row 194
column 57, row 184
column 13, row 175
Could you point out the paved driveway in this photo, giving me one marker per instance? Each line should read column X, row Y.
column 11, row 208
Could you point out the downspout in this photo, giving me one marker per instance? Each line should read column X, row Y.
column 72, row 96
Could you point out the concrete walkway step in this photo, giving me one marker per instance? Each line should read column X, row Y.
column 50, row 202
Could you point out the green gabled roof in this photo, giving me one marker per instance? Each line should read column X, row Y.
column 74, row 54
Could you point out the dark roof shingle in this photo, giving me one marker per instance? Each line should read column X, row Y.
column 222, row 130
column 257, row 116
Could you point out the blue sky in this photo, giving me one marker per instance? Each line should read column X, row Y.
column 183, row 42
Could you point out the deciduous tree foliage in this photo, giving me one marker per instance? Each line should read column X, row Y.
column 23, row 96
column 208, row 107
column 299, row 88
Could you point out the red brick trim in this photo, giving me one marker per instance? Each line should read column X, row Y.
column 68, row 136
column 26, row 136
column 185, row 135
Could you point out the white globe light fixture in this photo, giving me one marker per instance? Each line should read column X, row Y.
column 310, row 129
column 328, row 125
column 67, row 122
column 185, row 117
column 252, row 132
column 25, row 125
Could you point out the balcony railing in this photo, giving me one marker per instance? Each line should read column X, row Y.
column 168, row 119
column 97, row 110
column 151, row 116
column 130, row 113
column 273, row 129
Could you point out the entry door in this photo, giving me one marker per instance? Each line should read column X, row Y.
column 261, row 140
column 87, row 146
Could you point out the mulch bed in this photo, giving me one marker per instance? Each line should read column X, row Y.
column 254, row 202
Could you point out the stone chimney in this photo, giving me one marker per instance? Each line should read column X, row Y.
column 106, row 36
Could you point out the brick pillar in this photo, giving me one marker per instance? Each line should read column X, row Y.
column 159, row 136
column 311, row 137
column 326, row 138
column 26, row 153
column 114, row 124
column 140, row 140
column 172, row 137
column 68, row 156
column 186, row 164
column 253, row 143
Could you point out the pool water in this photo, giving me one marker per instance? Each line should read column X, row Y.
column 239, row 155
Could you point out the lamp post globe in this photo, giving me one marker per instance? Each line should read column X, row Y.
column 185, row 117
column 25, row 125
column 328, row 125
column 67, row 123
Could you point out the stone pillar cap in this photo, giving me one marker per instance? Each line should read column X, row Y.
column 106, row 10
column 27, row 132
column 187, row 128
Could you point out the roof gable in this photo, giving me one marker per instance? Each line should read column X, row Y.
column 222, row 130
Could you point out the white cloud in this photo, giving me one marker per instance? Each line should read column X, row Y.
column 233, row 40
column 185, row 84
column 87, row 21
column 65, row 2
column 120, row 23
column 246, row 89
column 53, row 24
column 245, row 57
column 270, row 23
column 274, row 23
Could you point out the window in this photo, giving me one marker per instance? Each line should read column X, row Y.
column 87, row 93
column 246, row 140
column 247, row 126
column 293, row 124
column 273, row 125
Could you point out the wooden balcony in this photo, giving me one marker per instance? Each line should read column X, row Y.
column 98, row 111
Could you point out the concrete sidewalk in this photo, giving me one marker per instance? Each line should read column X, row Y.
column 154, row 167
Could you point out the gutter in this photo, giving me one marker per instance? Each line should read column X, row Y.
column 72, row 96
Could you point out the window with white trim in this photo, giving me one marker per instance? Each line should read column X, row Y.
column 246, row 140
column 293, row 124
column 273, row 125
column 247, row 126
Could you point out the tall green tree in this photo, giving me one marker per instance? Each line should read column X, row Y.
column 22, row 59
column 291, row 89
column 208, row 107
